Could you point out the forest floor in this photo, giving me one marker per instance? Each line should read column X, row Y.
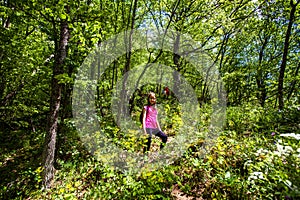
column 176, row 192
column 179, row 195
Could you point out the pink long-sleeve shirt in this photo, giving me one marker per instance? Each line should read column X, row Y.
column 151, row 117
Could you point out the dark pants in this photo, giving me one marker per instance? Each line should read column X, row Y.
column 157, row 133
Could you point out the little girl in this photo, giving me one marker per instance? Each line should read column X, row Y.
column 150, row 122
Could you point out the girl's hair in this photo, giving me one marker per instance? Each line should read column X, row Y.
column 149, row 95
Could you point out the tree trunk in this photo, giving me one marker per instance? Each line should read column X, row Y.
column 55, row 101
column 292, row 88
column 67, row 91
column 128, row 43
column 285, row 54
column 176, row 58
column 10, row 96
column 260, row 77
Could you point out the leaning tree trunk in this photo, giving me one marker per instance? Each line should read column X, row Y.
column 55, row 101
column 285, row 54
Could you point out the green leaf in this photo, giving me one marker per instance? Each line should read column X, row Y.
column 63, row 16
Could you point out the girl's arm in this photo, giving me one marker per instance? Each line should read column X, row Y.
column 144, row 120
column 157, row 123
column 158, row 126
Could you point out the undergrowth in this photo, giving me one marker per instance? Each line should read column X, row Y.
column 256, row 156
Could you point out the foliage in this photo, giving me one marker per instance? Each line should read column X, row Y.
column 259, row 164
column 257, row 153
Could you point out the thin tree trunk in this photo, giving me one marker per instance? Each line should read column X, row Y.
column 6, row 21
column 285, row 54
column 293, row 83
column 128, row 44
column 5, row 100
column 115, row 66
column 55, row 101
column 171, row 18
column 176, row 58
column 260, row 78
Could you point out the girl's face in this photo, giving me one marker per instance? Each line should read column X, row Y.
column 152, row 99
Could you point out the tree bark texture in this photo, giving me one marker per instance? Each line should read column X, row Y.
column 55, row 102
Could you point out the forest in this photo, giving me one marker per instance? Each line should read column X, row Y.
column 75, row 75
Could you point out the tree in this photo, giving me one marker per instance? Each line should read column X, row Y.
column 285, row 53
column 55, row 101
